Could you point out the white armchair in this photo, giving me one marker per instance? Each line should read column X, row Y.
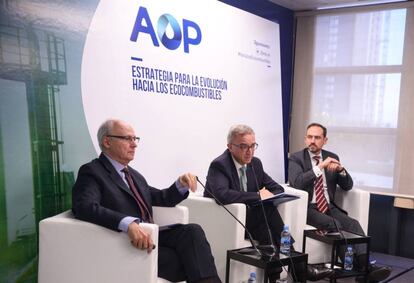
column 356, row 203
column 224, row 233
column 71, row 250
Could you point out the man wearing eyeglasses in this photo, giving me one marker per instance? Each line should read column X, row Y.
column 110, row 193
column 236, row 176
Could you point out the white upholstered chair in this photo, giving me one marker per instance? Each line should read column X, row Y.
column 224, row 233
column 356, row 203
column 71, row 250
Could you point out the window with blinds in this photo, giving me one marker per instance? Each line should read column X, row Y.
column 358, row 59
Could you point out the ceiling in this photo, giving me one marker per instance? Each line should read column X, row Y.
column 303, row 5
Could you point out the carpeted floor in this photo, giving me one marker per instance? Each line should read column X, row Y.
column 403, row 269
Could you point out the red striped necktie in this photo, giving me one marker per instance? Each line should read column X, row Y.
column 321, row 202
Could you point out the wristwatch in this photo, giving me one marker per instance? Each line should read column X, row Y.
column 342, row 172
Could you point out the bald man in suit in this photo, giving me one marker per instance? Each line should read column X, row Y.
column 110, row 193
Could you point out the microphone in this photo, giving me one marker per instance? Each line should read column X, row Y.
column 338, row 234
column 272, row 243
column 339, row 231
column 262, row 253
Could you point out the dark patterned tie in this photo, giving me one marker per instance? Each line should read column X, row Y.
column 321, row 202
column 243, row 178
column 145, row 214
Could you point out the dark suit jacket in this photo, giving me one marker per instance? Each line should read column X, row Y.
column 301, row 175
column 101, row 196
column 223, row 181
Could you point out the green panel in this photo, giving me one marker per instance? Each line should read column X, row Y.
column 44, row 149
column 68, row 180
column 3, row 212
column 52, row 188
column 19, row 260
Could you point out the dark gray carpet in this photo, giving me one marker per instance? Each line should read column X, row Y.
column 403, row 269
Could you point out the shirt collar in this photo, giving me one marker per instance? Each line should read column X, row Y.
column 311, row 155
column 237, row 164
column 118, row 166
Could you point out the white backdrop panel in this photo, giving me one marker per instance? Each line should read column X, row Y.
column 182, row 133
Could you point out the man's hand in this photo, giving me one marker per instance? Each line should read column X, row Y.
column 189, row 180
column 265, row 194
column 139, row 238
column 331, row 164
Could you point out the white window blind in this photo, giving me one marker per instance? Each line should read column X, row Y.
column 357, row 77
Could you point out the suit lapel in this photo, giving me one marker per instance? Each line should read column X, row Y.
column 308, row 166
column 251, row 179
column 329, row 176
column 140, row 187
column 114, row 176
column 234, row 173
column 327, row 173
column 307, row 159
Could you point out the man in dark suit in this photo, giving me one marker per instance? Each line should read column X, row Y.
column 315, row 167
column 223, row 180
column 236, row 176
column 110, row 193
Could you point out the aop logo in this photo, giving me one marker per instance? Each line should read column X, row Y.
column 143, row 24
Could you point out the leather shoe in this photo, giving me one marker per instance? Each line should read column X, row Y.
column 376, row 273
column 318, row 272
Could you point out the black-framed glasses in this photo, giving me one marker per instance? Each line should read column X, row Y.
column 245, row 147
column 126, row 138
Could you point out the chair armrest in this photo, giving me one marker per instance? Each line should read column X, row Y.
column 71, row 250
column 294, row 213
column 222, row 231
column 170, row 215
column 206, row 212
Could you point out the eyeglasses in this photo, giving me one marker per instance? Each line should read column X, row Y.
column 126, row 138
column 245, row 147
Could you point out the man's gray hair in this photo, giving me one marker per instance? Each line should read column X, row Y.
column 104, row 130
column 237, row 130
